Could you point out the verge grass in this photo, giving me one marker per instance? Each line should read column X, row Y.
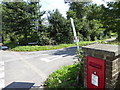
column 114, row 42
column 15, row 47
column 65, row 77
column 48, row 47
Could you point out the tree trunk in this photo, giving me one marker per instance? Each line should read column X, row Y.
column 25, row 41
column 118, row 38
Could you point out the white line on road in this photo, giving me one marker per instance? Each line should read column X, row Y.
column 2, row 75
column 2, row 83
column 2, row 63
column 49, row 60
column 30, row 57
column 2, row 68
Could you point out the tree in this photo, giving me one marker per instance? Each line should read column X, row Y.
column 78, row 8
column 87, row 20
column 21, row 20
column 111, row 17
column 59, row 28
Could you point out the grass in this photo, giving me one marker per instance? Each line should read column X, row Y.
column 114, row 42
column 15, row 47
column 65, row 77
column 47, row 47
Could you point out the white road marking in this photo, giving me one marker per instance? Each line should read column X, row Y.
column 58, row 57
column 45, row 59
column 49, row 59
column 2, row 75
column 40, row 73
column 2, row 83
column 30, row 57
column 2, row 63
column 2, row 68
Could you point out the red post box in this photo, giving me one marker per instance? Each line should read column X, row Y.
column 95, row 72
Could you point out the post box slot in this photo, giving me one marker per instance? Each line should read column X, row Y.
column 95, row 65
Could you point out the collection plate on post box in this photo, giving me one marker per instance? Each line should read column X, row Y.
column 95, row 80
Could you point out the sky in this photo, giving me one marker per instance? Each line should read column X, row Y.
column 54, row 4
column 60, row 5
column 49, row 5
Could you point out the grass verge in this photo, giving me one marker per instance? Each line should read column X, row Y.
column 48, row 47
column 114, row 42
column 65, row 77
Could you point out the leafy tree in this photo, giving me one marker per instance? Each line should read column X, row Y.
column 21, row 20
column 111, row 17
column 78, row 8
column 87, row 20
column 92, row 11
column 59, row 28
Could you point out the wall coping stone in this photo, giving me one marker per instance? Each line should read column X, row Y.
column 104, row 47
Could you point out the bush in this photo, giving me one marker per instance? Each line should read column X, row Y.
column 65, row 77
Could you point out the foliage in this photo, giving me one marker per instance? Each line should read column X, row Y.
column 65, row 77
column 110, row 17
column 15, row 47
column 86, row 19
column 21, row 21
column 39, row 48
column 59, row 28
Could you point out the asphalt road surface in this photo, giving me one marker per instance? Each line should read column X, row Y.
column 35, row 67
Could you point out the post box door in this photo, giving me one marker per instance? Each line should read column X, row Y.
column 95, row 72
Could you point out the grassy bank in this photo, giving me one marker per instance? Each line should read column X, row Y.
column 114, row 42
column 47, row 47
column 65, row 77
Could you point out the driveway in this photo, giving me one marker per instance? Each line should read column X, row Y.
column 35, row 67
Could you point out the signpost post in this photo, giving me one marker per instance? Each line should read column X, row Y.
column 101, row 35
column 75, row 36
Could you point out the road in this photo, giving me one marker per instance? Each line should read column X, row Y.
column 111, row 39
column 35, row 67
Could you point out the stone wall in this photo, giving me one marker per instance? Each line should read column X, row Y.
column 111, row 54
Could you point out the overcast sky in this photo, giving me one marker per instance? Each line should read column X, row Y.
column 60, row 5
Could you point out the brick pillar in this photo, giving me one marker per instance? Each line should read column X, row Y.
column 110, row 53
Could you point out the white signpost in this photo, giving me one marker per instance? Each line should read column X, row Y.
column 75, row 36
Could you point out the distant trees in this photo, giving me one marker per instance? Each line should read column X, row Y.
column 111, row 17
column 87, row 21
column 60, row 29
column 22, row 22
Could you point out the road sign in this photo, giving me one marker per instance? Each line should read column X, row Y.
column 76, row 39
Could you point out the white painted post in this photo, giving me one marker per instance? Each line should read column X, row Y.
column 74, row 31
